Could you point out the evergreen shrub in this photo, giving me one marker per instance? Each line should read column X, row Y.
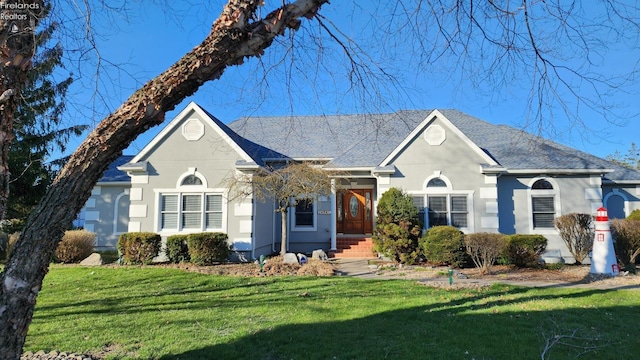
column 524, row 250
column 444, row 245
column 208, row 248
column 75, row 246
column 635, row 215
column 139, row 247
column 177, row 249
column 398, row 227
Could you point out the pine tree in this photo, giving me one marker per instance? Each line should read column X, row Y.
column 37, row 129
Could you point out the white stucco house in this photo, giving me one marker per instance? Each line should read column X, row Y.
column 460, row 170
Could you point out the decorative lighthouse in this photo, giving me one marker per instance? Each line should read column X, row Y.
column 603, row 256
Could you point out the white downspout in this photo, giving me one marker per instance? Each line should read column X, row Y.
column 253, row 229
column 334, row 220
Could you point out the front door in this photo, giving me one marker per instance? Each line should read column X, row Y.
column 355, row 211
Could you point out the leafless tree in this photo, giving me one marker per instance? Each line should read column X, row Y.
column 287, row 186
column 577, row 232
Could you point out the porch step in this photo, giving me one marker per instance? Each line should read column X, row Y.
column 355, row 247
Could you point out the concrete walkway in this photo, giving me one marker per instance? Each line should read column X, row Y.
column 360, row 268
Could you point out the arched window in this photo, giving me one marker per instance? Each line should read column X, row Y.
column 192, row 206
column 436, row 182
column 444, row 206
column 543, row 199
column 542, row 184
column 191, row 180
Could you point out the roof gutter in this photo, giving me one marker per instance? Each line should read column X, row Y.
column 559, row 171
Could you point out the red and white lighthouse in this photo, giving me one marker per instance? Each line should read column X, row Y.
column 603, row 256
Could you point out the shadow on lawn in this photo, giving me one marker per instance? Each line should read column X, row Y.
column 458, row 328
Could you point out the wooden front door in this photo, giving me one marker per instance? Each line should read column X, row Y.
column 355, row 211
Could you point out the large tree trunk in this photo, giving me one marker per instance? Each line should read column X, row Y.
column 232, row 38
column 17, row 47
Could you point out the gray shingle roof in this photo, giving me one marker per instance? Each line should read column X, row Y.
column 518, row 150
column 112, row 174
column 350, row 140
column 365, row 140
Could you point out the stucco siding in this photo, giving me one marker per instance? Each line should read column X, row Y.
column 572, row 194
column 106, row 213
column 458, row 164
column 174, row 157
column 305, row 240
column 264, row 227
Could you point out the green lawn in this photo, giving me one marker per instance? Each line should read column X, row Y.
column 156, row 313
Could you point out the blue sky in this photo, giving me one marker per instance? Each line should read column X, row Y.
column 147, row 39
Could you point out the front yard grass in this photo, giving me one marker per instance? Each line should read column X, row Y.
column 160, row 313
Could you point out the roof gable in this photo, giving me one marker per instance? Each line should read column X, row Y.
column 418, row 130
column 219, row 128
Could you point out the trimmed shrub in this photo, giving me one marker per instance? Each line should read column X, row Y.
column 398, row 227
column 75, row 246
column 444, row 245
column 208, row 248
column 577, row 232
column 139, row 247
column 626, row 236
column 177, row 249
column 524, row 250
column 635, row 215
column 484, row 249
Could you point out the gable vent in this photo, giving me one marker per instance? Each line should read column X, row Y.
column 193, row 130
column 435, row 135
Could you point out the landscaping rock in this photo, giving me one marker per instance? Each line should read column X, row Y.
column 54, row 355
column 319, row 255
column 94, row 259
column 290, row 258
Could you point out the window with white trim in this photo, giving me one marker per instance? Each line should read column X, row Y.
column 304, row 213
column 543, row 204
column 444, row 206
column 191, row 211
column 448, row 209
